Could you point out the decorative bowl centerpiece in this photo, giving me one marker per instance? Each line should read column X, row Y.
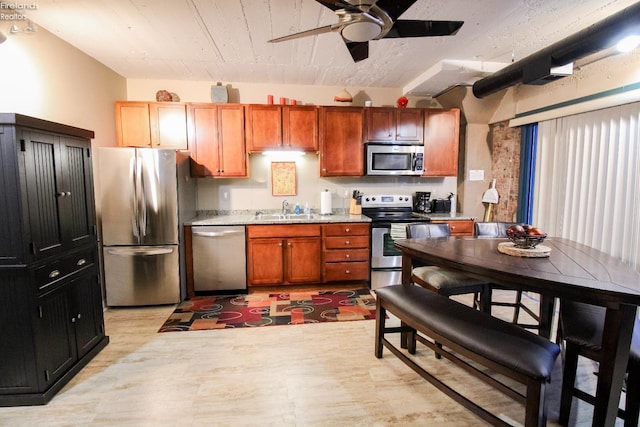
column 525, row 236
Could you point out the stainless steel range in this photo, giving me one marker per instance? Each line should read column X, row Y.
column 389, row 215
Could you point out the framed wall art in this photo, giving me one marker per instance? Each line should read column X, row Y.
column 283, row 178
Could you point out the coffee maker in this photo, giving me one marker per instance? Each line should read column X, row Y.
column 421, row 202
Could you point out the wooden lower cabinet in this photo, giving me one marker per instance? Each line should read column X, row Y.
column 283, row 254
column 458, row 227
column 346, row 251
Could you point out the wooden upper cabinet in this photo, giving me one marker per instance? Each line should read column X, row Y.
column 300, row 127
column 402, row 125
column 282, row 126
column 216, row 140
column 263, row 127
column 341, row 141
column 441, row 142
column 151, row 124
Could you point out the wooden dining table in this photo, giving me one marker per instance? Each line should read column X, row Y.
column 571, row 271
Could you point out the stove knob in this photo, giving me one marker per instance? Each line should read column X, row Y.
column 373, row 199
column 366, row 198
column 406, row 199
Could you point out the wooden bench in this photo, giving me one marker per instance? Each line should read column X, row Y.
column 462, row 335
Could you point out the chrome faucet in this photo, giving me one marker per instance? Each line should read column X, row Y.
column 285, row 206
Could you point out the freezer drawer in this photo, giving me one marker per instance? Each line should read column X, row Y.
column 219, row 258
column 141, row 275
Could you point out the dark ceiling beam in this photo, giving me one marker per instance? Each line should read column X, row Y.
column 537, row 68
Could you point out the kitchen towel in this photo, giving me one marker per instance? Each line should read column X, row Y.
column 325, row 202
column 398, row 231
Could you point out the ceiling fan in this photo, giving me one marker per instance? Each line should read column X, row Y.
column 364, row 20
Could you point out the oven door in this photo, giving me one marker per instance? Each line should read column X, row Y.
column 383, row 253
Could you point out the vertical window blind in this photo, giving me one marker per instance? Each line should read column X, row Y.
column 587, row 180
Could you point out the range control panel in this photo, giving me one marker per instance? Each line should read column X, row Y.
column 387, row 200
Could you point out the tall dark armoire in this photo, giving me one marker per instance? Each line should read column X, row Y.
column 51, row 311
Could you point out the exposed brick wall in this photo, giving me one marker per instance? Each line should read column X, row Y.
column 505, row 166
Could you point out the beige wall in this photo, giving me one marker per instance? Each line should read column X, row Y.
column 44, row 77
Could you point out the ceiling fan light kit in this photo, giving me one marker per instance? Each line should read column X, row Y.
column 365, row 20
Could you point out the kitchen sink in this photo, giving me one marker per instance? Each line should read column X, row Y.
column 284, row 217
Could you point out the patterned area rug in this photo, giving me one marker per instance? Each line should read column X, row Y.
column 254, row 310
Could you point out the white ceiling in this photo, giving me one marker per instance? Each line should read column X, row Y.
column 226, row 40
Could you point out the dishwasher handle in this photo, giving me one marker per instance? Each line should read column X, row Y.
column 216, row 233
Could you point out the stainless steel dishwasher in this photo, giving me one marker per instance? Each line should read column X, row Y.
column 219, row 258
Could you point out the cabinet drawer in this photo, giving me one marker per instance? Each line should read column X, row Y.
column 346, row 229
column 346, row 242
column 460, row 227
column 47, row 274
column 346, row 271
column 346, row 255
column 307, row 230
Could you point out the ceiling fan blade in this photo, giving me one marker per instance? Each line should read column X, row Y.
column 358, row 50
column 395, row 8
column 415, row 28
column 315, row 31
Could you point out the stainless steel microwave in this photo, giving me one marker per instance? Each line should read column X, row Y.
column 385, row 159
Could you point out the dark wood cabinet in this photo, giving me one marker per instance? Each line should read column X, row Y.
column 217, row 140
column 441, row 142
column 341, row 141
column 283, row 254
column 399, row 125
column 151, row 124
column 272, row 127
column 50, row 295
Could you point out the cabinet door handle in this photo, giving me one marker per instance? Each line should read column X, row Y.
column 280, row 244
column 73, row 320
column 54, row 274
column 79, row 316
column 347, row 256
column 81, row 261
column 60, row 194
column 346, row 230
column 289, row 244
column 347, row 271
column 347, row 242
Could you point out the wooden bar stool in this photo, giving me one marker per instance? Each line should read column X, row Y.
column 581, row 328
column 499, row 229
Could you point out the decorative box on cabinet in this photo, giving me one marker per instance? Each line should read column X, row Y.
column 341, row 141
column 217, row 140
column 346, row 251
column 283, row 254
column 441, row 142
column 50, row 295
column 272, row 127
column 151, row 124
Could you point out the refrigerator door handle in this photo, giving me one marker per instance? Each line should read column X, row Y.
column 214, row 233
column 141, row 210
column 135, row 226
column 140, row 251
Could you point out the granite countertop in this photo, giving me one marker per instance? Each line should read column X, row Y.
column 244, row 218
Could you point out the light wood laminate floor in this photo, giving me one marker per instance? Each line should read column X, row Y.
column 302, row 375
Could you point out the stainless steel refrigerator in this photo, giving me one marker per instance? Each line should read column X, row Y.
column 145, row 196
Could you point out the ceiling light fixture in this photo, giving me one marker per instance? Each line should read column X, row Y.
column 283, row 154
column 628, row 43
column 14, row 29
column 361, row 31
